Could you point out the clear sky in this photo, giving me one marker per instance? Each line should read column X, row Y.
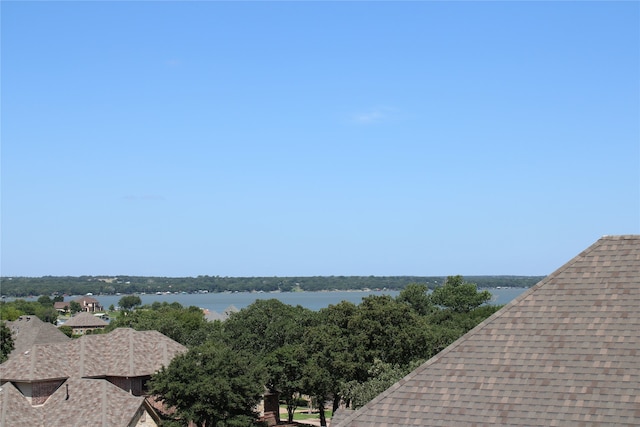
column 316, row 138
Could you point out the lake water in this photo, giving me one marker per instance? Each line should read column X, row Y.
column 312, row 300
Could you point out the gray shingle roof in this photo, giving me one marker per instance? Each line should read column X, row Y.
column 122, row 352
column 566, row 352
column 85, row 319
column 30, row 330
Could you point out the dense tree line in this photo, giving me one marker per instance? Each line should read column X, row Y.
column 344, row 353
column 55, row 285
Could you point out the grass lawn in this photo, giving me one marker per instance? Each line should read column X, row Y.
column 298, row 416
column 302, row 414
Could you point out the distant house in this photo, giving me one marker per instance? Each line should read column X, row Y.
column 62, row 306
column 89, row 304
column 84, row 322
column 97, row 380
column 564, row 353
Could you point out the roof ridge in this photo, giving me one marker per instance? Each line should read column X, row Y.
column 131, row 352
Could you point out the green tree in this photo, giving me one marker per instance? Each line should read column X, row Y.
column 211, row 385
column 415, row 295
column 129, row 302
column 9, row 312
column 320, row 378
column 459, row 296
column 285, row 369
column 265, row 326
column 6, row 342
column 47, row 314
column 381, row 377
column 390, row 331
column 273, row 331
column 45, row 301
column 184, row 325
column 75, row 307
column 67, row 330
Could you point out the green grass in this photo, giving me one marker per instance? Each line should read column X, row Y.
column 301, row 414
column 298, row 416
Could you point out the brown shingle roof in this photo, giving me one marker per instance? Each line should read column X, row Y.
column 567, row 352
column 122, row 352
column 30, row 330
column 15, row 410
column 85, row 319
column 88, row 402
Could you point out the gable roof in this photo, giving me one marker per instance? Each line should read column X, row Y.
column 30, row 330
column 566, row 352
column 74, row 403
column 85, row 319
column 123, row 352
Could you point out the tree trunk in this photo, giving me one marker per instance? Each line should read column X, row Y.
column 336, row 403
column 323, row 420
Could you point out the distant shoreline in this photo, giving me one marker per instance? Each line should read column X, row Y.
column 125, row 285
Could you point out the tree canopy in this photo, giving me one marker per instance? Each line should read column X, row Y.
column 212, row 385
column 128, row 302
column 342, row 353
column 6, row 342
column 459, row 296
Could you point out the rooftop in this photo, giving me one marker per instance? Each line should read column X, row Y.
column 566, row 352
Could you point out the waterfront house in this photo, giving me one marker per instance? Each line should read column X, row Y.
column 566, row 352
column 89, row 303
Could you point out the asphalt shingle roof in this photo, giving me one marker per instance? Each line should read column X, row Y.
column 566, row 352
column 30, row 330
column 85, row 319
column 123, row 352
column 88, row 402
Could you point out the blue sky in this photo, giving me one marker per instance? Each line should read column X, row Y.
column 316, row 138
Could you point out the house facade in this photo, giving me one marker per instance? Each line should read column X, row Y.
column 89, row 304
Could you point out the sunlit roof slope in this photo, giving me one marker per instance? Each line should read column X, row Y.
column 566, row 352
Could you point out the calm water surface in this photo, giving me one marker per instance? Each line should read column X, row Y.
column 311, row 300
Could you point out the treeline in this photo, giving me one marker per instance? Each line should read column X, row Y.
column 103, row 285
column 342, row 354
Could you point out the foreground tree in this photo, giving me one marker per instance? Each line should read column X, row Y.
column 211, row 385
column 381, row 377
column 6, row 342
column 285, row 369
column 265, row 326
